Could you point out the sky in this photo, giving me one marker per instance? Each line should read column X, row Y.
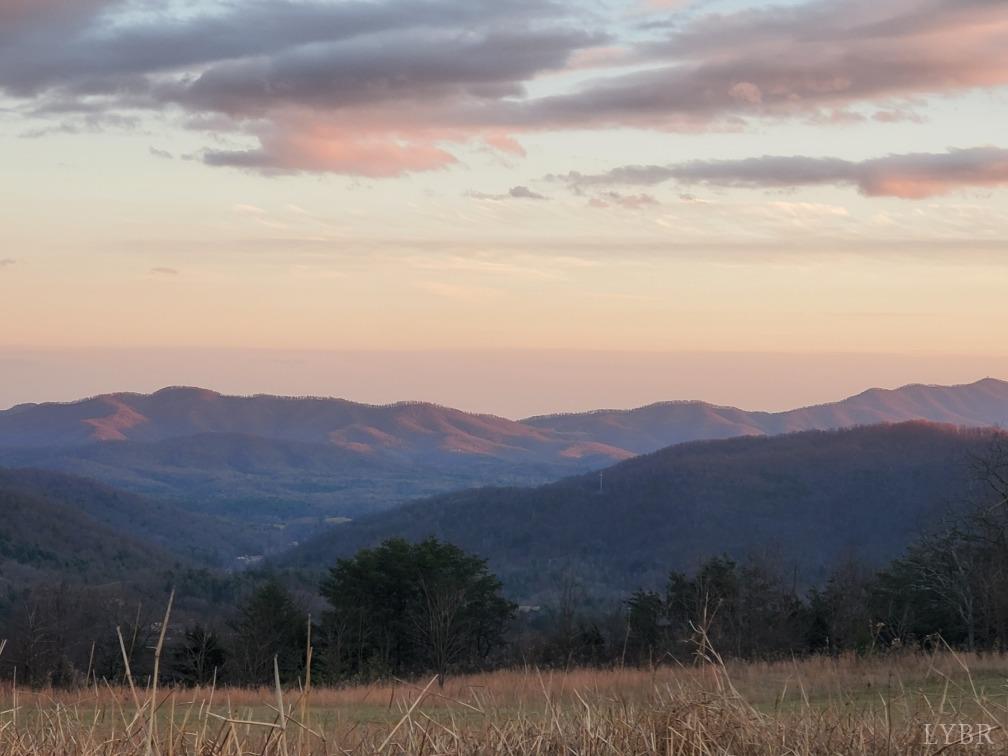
column 754, row 203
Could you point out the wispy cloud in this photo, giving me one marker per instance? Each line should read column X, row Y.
column 457, row 292
column 909, row 176
column 515, row 192
column 627, row 201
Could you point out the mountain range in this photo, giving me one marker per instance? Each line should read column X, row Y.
column 283, row 468
column 420, row 431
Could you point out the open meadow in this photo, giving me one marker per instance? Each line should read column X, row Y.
column 893, row 704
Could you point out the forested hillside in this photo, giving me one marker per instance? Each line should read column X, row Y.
column 807, row 498
column 77, row 518
column 272, row 481
column 42, row 539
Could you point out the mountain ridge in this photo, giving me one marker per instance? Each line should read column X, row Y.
column 155, row 416
column 985, row 381
column 935, row 403
column 186, row 411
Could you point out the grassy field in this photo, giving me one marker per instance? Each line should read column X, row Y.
column 881, row 705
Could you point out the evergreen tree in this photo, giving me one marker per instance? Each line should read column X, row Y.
column 405, row 608
column 269, row 624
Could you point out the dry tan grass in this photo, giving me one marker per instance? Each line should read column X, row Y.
column 821, row 705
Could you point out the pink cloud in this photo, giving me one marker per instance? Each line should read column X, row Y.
column 504, row 143
column 299, row 146
column 922, row 176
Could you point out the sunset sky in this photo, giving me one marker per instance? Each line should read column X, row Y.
column 518, row 177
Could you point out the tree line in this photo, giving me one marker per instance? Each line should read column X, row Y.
column 405, row 609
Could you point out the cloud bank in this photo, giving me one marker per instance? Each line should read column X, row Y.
column 385, row 87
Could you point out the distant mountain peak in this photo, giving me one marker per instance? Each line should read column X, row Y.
column 185, row 392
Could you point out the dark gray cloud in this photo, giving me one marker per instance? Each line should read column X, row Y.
column 410, row 66
column 163, row 154
column 78, row 46
column 910, row 176
column 6, row 262
column 38, row 19
column 523, row 192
